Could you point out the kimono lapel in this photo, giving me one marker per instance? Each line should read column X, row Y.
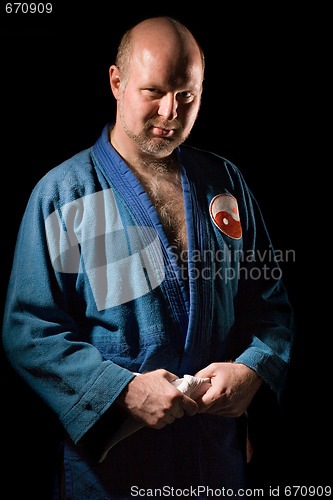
column 142, row 211
column 192, row 308
column 197, row 346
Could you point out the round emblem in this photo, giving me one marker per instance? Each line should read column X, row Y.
column 224, row 212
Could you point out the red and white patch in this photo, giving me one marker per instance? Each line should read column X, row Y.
column 224, row 212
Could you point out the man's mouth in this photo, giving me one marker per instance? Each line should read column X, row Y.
column 162, row 132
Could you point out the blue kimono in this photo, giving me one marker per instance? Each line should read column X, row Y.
column 97, row 293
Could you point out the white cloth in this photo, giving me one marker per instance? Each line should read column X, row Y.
column 192, row 387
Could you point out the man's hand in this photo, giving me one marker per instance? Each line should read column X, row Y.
column 152, row 399
column 233, row 386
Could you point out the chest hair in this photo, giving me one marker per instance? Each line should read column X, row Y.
column 164, row 189
column 167, row 198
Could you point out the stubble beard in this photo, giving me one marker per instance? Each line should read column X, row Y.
column 158, row 147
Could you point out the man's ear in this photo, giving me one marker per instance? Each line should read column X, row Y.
column 115, row 81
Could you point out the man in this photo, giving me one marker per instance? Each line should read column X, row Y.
column 130, row 259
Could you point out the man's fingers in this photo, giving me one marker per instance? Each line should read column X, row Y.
column 207, row 372
column 189, row 406
column 178, row 412
column 207, row 400
column 170, row 377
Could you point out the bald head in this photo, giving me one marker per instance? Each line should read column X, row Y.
column 157, row 82
column 156, row 35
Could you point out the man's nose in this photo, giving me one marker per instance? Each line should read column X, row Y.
column 168, row 106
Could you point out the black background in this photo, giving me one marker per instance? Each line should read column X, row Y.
column 255, row 111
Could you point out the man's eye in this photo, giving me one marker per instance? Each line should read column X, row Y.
column 185, row 96
column 153, row 91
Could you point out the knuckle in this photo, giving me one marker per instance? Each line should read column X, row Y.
column 162, row 372
column 157, row 421
column 175, row 396
column 158, row 426
column 167, row 408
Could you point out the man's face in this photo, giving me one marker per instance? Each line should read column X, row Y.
column 160, row 101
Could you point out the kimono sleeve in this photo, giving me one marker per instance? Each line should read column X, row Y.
column 42, row 340
column 264, row 315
